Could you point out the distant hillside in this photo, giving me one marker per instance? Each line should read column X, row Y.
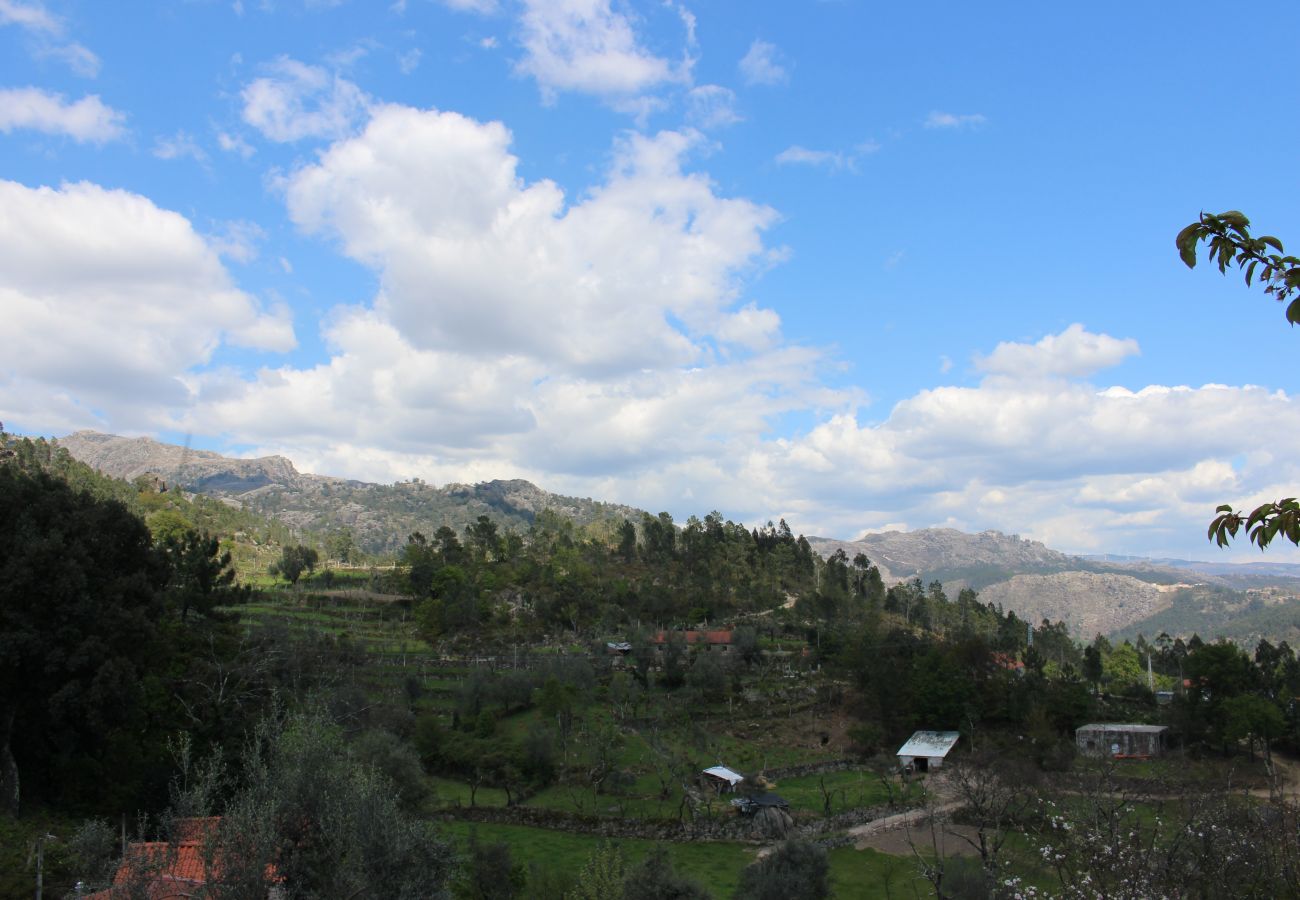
column 1090, row 603
column 252, row 539
column 1091, row 595
column 1218, row 612
column 1115, row 595
column 951, row 556
column 380, row 516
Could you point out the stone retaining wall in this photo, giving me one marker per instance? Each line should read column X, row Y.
column 725, row 827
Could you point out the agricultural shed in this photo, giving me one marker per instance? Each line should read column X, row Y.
column 1121, row 741
column 721, row 779
column 927, row 750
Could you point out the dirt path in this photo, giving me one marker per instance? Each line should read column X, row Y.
column 869, row 833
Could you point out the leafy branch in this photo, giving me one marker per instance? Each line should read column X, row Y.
column 1262, row 525
column 1230, row 243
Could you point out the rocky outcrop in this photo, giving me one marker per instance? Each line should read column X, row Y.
column 1089, row 603
column 948, row 554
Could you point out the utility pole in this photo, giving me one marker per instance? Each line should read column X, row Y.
column 39, row 852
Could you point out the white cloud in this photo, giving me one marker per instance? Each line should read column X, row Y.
column 47, row 30
column 833, row 160
column 75, row 56
column 180, row 145
column 802, row 156
column 1072, row 353
column 515, row 333
column 472, row 258
column 30, row 16
column 86, row 120
column 585, row 46
column 409, row 61
column 761, row 65
column 297, row 101
column 1053, row 457
column 476, row 6
column 234, row 143
column 237, row 240
column 711, row 106
column 938, row 119
column 112, row 300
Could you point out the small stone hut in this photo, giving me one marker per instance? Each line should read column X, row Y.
column 1120, row 741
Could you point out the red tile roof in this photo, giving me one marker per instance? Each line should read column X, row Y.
column 698, row 637
column 167, row 871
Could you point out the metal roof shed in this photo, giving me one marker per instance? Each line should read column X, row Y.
column 1121, row 740
column 926, row 750
column 722, row 779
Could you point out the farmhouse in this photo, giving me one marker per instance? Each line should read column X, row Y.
column 1121, row 741
column 158, row 870
column 926, row 750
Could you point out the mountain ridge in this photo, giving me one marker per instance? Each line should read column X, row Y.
column 380, row 516
column 1109, row 594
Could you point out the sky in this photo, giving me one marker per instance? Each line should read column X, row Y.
column 860, row 265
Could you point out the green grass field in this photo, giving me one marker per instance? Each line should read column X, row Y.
column 855, row 874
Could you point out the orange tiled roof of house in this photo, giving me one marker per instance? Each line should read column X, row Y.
column 167, row 871
column 1007, row 661
column 722, row 636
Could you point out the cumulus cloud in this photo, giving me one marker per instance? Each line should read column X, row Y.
column 1072, row 353
column 86, row 120
column 470, row 257
column 518, row 333
column 1081, row 467
column 948, row 120
column 585, row 46
column 296, row 101
column 761, row 65
column 112, row 300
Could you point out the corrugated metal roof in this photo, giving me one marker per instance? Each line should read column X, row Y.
column 929, row 743
column 725, row 774
column 1132, row 729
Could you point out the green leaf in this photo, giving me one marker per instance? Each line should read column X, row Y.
column 1186, row 243
column 1234, row 218
column 1272, row 242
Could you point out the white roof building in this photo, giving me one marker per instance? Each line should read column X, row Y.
column 722, row 773
column 926, row 750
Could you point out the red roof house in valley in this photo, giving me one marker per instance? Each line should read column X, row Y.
column 708, row 639
column 159, row 870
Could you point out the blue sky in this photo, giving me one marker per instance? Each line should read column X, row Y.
column 859, row 265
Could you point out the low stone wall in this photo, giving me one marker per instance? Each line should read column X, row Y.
column 725, row 827
column 814, row 768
